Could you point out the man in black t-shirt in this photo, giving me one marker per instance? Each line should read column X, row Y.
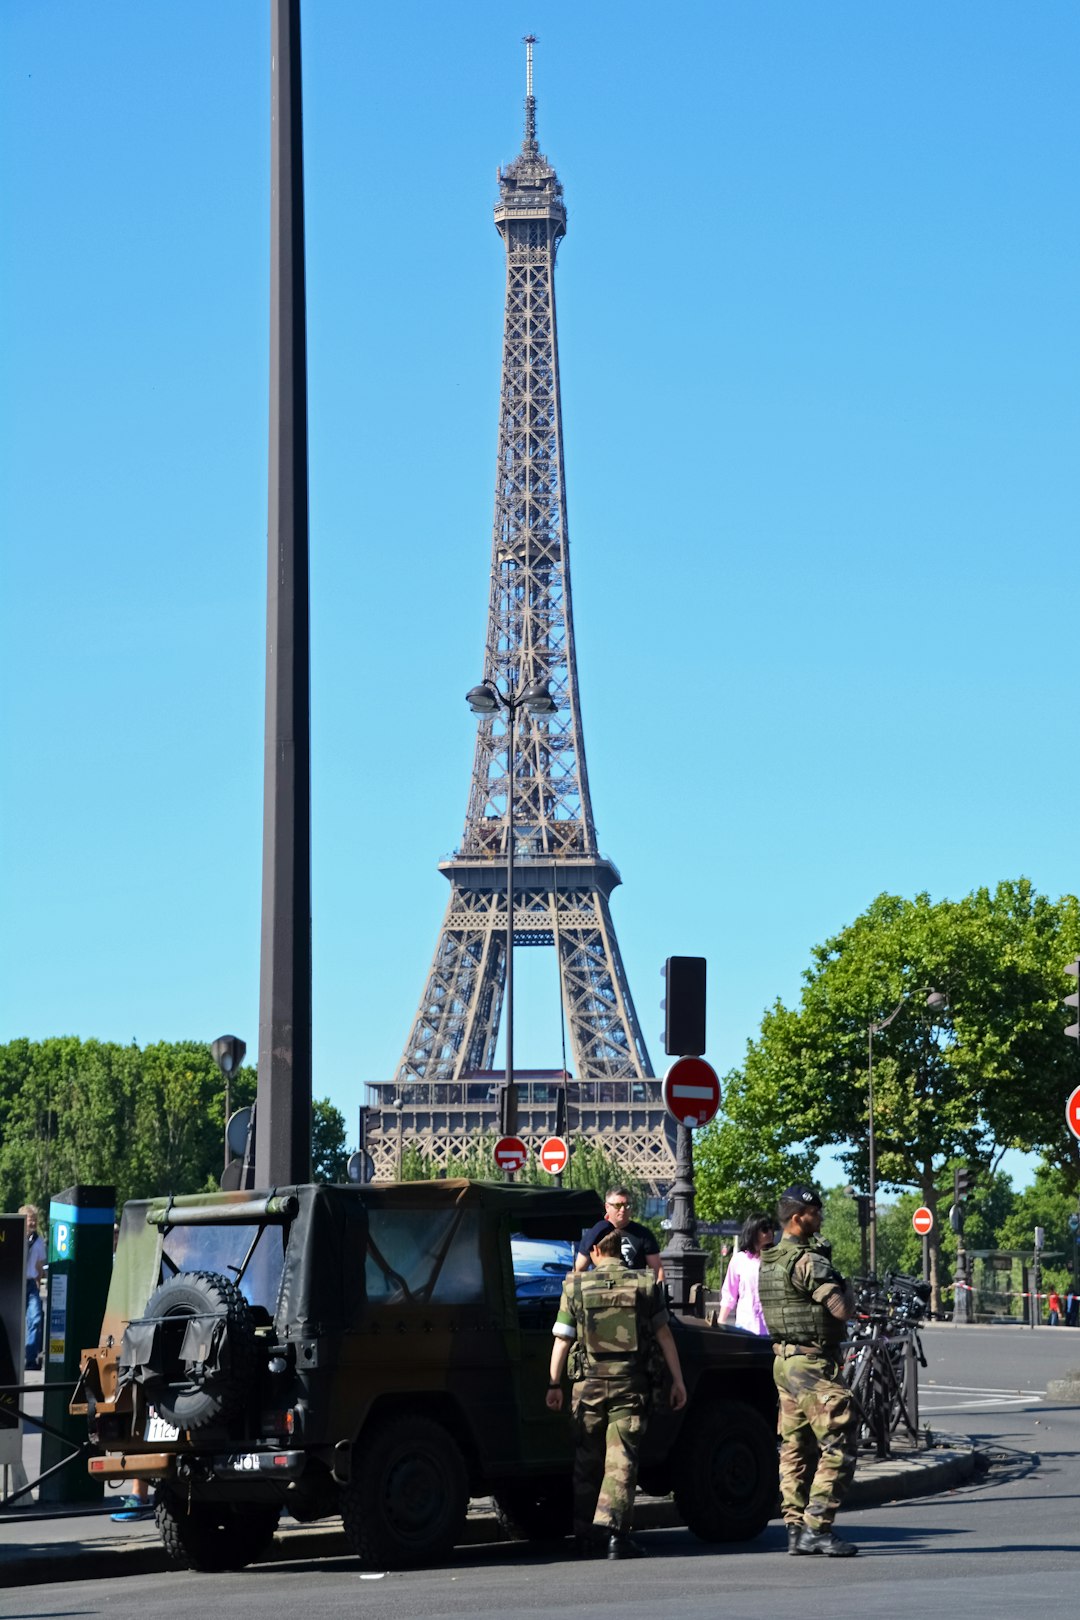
column 639, row 1247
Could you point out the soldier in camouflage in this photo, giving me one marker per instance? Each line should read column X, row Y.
column 807, row 1304
column 610, row 1318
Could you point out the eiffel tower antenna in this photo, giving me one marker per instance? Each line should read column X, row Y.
column 445, row 1089
column 530, row 99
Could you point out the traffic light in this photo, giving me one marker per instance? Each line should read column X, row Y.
column 684, row 1006
column 1073, row 1001
column 963, row 1181
column 862, row 1204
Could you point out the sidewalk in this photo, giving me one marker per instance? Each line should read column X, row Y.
column 42, row 1546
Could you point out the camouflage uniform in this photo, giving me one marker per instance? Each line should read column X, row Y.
column 817, row 1416
column 612, row 1316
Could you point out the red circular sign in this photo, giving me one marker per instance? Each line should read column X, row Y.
column 1072, row 1112
column 510, row 1153
column 923, row 1220
column 691, row 1091
column 554, row 1156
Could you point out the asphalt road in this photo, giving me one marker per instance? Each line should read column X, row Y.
column 1003, row 1546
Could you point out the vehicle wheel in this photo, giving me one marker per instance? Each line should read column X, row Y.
column 408, row 1496
column 724, row 1471
column 193, row 1393
column 540, row 1512
column 212, row 1536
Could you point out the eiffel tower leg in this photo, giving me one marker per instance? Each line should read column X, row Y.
column 605, row 1036
column 457, row 1022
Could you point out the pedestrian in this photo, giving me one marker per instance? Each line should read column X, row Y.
column 637, row 1245
column 1053, row 1308
column 35, row 1265
column 1072, row 1308
column 740, row 1291
column 807, row 1304
column 610, row 1318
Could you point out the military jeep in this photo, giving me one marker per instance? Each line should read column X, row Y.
column 365, row 1351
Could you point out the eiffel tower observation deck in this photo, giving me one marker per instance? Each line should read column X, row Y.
column 446, row 1089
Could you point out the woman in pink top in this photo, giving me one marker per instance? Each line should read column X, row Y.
column 740, row 1290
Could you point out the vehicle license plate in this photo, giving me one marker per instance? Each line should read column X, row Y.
column 158, row 1429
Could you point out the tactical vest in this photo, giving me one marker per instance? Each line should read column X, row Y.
column 610, row 1306
column 790, row 1314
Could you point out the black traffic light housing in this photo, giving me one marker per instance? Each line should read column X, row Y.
column 964, row 1178
column 1073, row 1001
column 684, row 1006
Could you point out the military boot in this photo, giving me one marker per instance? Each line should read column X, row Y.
column 622, row 1545
column 794, row 1531
column 823, row 1541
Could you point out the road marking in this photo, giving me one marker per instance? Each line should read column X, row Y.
column 979, row 1398
column 979, row 1389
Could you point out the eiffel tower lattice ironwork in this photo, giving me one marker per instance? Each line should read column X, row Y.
column 444, row 1087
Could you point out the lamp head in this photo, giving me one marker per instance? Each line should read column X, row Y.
column 484, row 699
column 228, row 1053
column 537, row 698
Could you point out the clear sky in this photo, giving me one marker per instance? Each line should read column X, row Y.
column 819, row 342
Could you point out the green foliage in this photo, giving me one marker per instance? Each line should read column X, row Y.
column 329, row 1155
column 590, row 1166
column 745, row 1158
column 147, row 1120
column 990, row 1072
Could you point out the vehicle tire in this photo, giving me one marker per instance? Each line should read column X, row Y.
column 406, row 1502
column 724, row 1472
column 193, row 1398
column 214, row 1536
column 543, row 1511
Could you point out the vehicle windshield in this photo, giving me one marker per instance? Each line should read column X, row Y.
column 225, row 1249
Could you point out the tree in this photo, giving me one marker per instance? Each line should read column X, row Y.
column 990, row 1072
column 329, row 1155
column 145, row 1120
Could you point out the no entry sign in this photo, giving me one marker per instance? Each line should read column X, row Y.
column 923, row 1220
column 1072, row 1112
column 510, row 1153
column 691, row 1091
column 554, row 1155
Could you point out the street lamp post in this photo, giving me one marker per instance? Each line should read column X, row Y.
column 399, row 1104
column 934, row 1000
column 486, row 699
column 228, row 1053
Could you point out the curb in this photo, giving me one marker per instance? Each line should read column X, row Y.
column 921, row 1475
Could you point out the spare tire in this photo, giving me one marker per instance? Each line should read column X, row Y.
column 206, row 1350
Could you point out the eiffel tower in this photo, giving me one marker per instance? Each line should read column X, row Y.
column 445, row 1090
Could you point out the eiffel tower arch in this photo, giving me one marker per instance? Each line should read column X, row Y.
column 445, row 1089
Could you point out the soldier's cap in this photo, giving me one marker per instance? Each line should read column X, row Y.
column 802, row 1195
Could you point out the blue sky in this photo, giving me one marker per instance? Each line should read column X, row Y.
column 819, row 342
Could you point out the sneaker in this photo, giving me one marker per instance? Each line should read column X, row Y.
column 823, row 1541
column 131, row 1508
column 794, row 1531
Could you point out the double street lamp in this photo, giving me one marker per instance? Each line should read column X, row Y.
column 486, row 699
column 935, row 1000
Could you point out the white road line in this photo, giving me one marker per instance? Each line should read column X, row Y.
column 971, row 1406
column 935, row 1388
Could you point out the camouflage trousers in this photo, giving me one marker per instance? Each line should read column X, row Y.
column 818, row 1432
column 609, row 1418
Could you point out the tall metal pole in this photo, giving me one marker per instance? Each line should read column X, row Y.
column 283, row 1136
column 510, row 1111
column 871, row 1153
